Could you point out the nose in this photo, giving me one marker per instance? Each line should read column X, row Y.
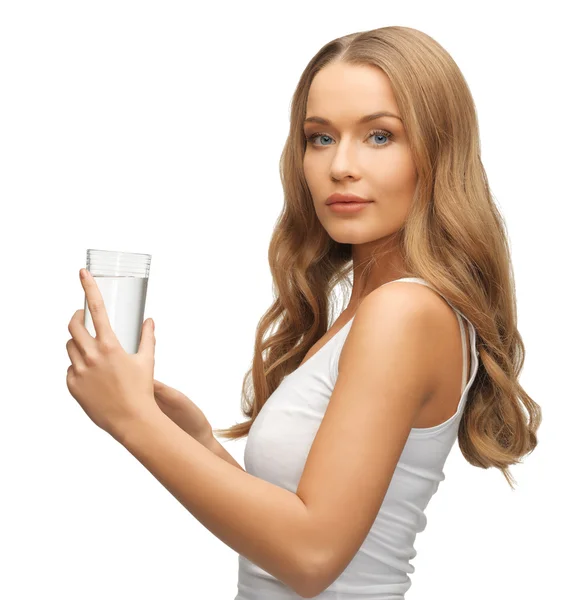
column 343, row 163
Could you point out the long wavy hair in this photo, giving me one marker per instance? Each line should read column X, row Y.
column 454, row 237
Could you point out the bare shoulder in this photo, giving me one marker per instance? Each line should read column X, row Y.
column 416, row 300
column 413, row 313
column 417, row 296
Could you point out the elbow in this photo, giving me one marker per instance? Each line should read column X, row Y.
column 309, row 588
column 314, row 580
column 313, row 587
column 314, row 561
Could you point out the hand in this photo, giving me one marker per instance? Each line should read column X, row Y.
column 113, row 388
column 183, row 412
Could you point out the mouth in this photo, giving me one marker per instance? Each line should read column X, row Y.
column 348, row 207
column 350, row 202
column 346, row 199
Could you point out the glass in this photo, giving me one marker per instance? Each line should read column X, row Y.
column 122, row 278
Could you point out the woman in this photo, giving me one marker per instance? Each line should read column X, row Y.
column 431, row 220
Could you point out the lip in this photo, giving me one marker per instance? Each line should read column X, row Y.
column 346, row 198
column 348, row 207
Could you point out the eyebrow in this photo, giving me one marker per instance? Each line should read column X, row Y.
column 367, row 118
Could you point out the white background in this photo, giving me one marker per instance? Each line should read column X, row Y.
column 157, row 127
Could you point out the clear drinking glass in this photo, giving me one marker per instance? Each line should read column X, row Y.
column 122, row 279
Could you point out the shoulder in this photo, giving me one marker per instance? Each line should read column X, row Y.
column 412, row 306
column 403, row 320
column 408, row 297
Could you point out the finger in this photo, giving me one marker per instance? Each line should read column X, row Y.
column 97, row 308
column 147, row 340
column 162, row 388
column 75, row 356
column 81, row 336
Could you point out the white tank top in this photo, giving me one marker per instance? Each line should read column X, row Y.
column 276, row 450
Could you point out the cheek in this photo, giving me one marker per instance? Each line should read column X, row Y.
column 311, row 174
column 397, row 175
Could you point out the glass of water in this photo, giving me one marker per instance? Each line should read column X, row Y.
column 122, row 278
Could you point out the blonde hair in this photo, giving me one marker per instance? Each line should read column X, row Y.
column 454, row 238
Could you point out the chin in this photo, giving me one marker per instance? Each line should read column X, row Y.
column 347, row 237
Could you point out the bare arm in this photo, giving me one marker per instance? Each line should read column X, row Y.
column 269, row 525
column 214, row 445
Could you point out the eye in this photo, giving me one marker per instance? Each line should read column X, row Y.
column 376, row 132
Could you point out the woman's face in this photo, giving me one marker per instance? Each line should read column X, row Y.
column 371, row 160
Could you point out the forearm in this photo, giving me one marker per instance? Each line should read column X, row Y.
column 214, row 445
column 267, row 524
